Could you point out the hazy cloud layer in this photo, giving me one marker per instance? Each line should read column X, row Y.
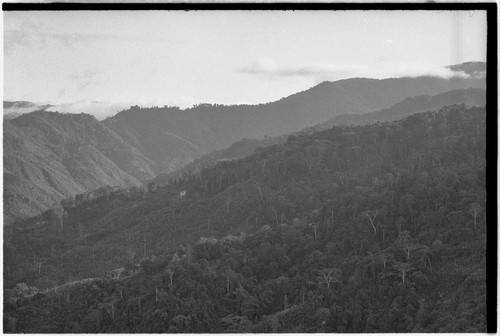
column 267, row 69
column 22, row 37
column 100, row 110
column 12, row 109
column 41, row 36
column 85, row 75
column 87, row 79
column 103, row 109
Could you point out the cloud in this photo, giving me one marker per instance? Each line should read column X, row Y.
column 85, row 85
column 20, row 37
column 28, row 33
column 267, row 69
column 104, row 109
column 86, row 79
column 85, row 75
column 16, row 108
column 98, row 109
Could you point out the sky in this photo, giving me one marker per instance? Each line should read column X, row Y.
column 102, row 62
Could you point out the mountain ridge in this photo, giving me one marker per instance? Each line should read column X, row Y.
column 206, row 128
column 137, row 144
column 411, row 105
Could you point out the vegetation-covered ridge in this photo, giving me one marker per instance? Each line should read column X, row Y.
column 378, row 228
column 405, row 108
column 51, row 156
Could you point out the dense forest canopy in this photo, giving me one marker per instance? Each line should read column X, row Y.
column 376, row 228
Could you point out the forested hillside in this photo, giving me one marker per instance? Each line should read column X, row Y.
column 409, row 106
column 50, row 156
column 377, row 228
column 237, row 150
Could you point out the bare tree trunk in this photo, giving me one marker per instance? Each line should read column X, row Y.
column 371, row 217
column 341, row 179
column 374, row 228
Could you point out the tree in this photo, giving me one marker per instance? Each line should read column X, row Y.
column 229, row 275
column 170, row 273
column 145, row 246
column 37, row 265
column 109, row 307
column 182, row 195
column 400, row 221
column 315, row 227
column 59, row 212
column 371, row 214
column 474, row 210
column 405, row 242
column 403, row 269
column 329, row 276
column 382, row 257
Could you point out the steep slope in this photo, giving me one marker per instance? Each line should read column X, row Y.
column 172, row 137
column 377, row 228
column 50, row 156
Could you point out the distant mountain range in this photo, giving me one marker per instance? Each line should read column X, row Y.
column 242, row 148
column 172, row 137
column 411, row 105
column 49, row 156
